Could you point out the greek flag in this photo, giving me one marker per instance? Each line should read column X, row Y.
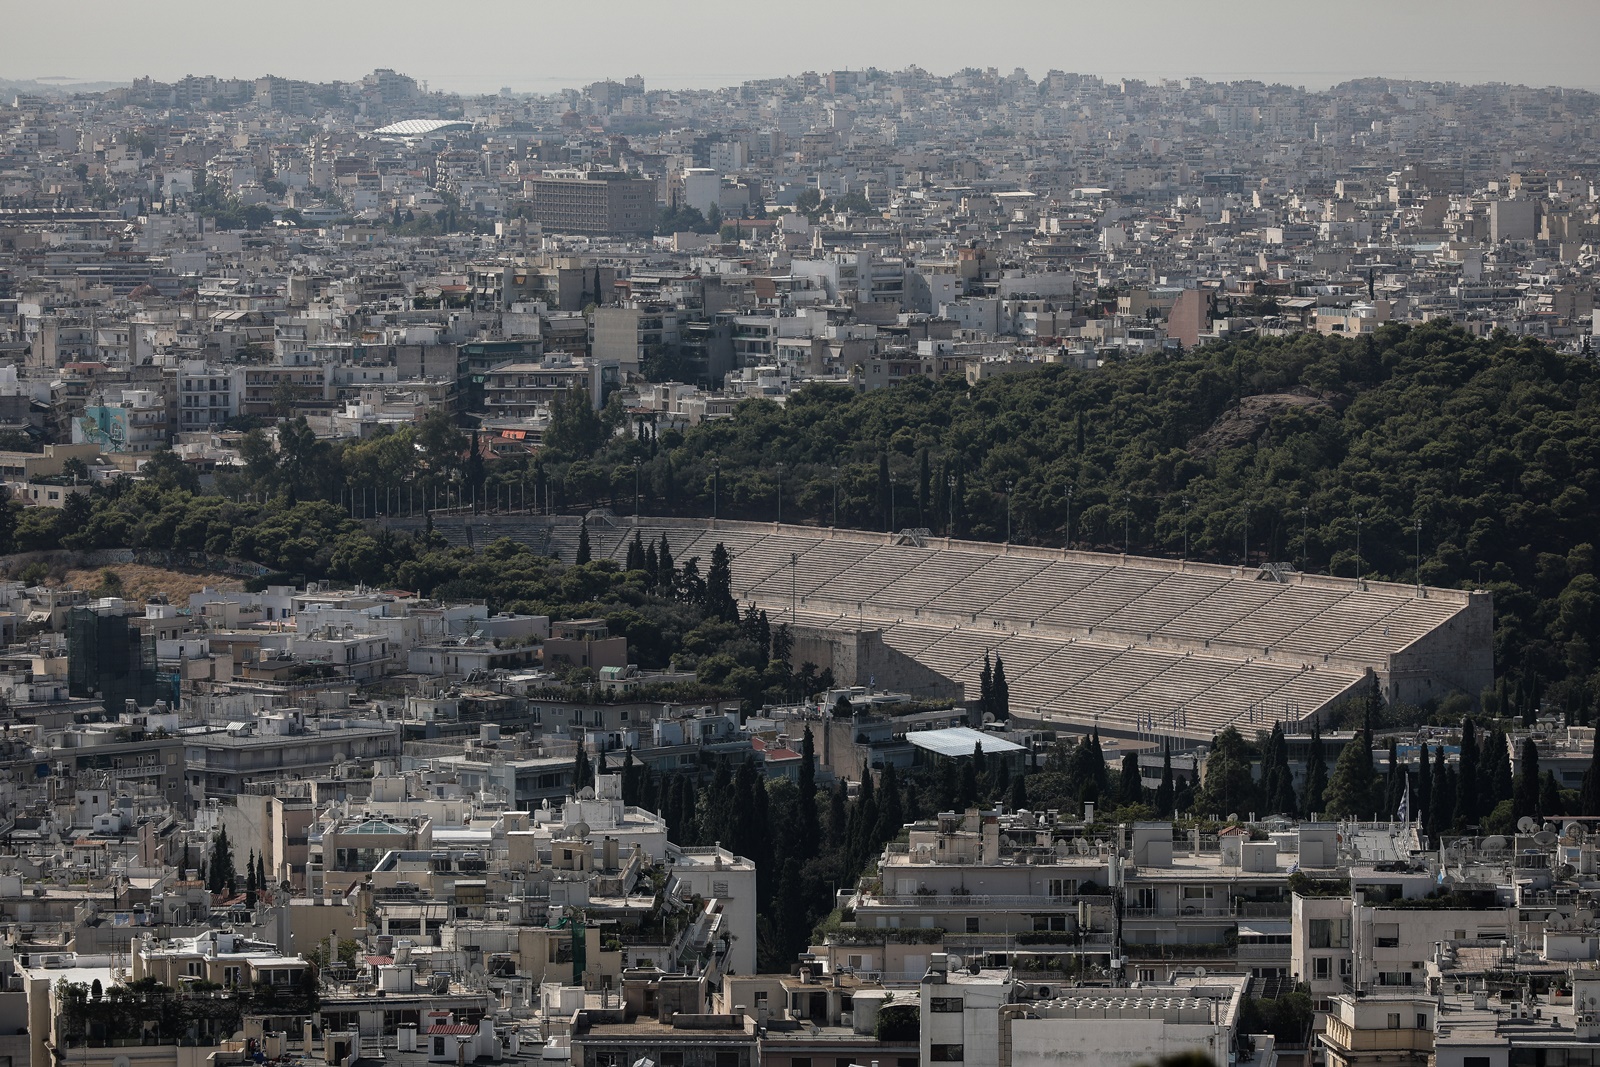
column 1404, row 813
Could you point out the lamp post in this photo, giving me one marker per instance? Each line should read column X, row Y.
column 1417, row 525
column 1070, row 491
column 1008, row 513
column 1247, row 534
column 836, row 494
column 637, row 464
column 1305, row 533
column 1358, row 550
column 780, row 494
column 716, row 484
column 950, row 483
column 1127, row 508
column 1185, row 527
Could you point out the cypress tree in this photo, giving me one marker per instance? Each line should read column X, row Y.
column 891, row 810
column 1466, row 809
column 583, row 543
column 1423, row 806
column 1019, row 793
column 1000, row 694
column 1129, row 789
column 1351, row 786
column 668, row 575
column 1549, row 796
column 1316, row 775
column 1494, row 770
column 1164, row 792
column 652, row 567
column 250, row 880
column 985, row 688
column 1525, row 801
column 1394, row 784
column 1589, row 795
column 1444, row 795
column 719, row 586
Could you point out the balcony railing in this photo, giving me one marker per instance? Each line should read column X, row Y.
column 977, row 900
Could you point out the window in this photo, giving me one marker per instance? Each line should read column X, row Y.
column 1474, row 1061
column 1147, row 974
column 727, row 1058
column 761, row 998
column 438, row 1046
column 1345, row 968
column 1394, row 1020
column 672, row 1059
column 946, row 1053
column 946, row 1004
column 1322, row 968
column 1422, row 1020
column 972, row 924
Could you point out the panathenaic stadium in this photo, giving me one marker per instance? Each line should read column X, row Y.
column 1137, row 647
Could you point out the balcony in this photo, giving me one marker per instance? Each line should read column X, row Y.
column 958, row 901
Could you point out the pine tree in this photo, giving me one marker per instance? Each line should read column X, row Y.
column 250, row 881
column 635, row 553
column 583, row 555
column 1494, row 770
column 1350, row 788
column 808, row 834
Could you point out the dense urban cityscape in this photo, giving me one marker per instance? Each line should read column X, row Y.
column 863, row 567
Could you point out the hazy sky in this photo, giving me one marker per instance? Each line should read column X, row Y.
column 531, row 45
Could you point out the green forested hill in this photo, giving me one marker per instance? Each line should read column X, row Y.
column 1492, row 444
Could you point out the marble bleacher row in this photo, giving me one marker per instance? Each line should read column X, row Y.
column 1073, row 633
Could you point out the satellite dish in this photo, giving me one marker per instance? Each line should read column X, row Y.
column 1199, row 972
column 1550, row 826
column 581, row 831
column 1544, row 838
column 954, row 962
column 1572, row 829
column 1494, row 844
column 586, row 793
column 1526, row 825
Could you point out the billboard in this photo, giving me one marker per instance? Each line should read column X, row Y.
column 103, row 426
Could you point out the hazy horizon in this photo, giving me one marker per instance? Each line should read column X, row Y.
column 537, row 47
